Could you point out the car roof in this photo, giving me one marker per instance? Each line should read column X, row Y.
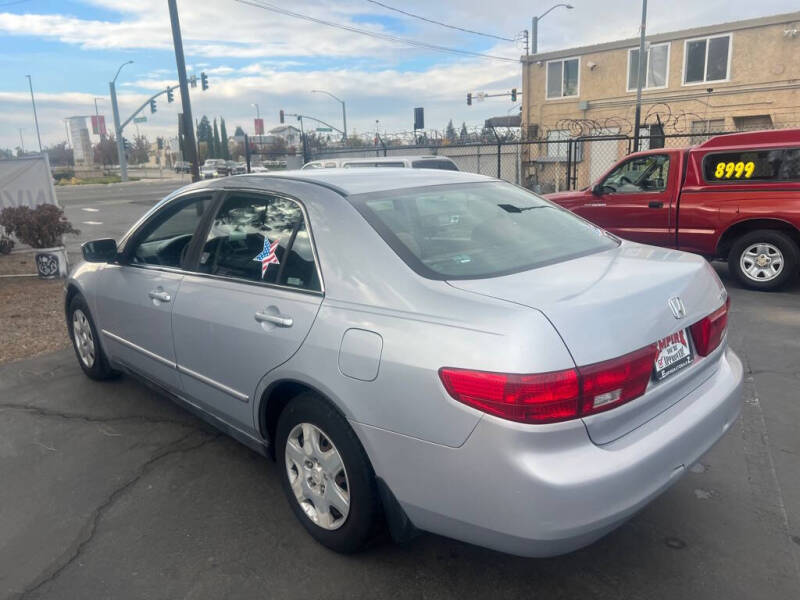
column 352, row 181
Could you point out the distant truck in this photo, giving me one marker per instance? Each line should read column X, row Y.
column 734, row 197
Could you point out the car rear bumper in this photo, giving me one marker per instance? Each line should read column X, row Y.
column 547, row 490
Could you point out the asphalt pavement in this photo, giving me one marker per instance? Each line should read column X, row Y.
column 99, row 210
column 111, row 491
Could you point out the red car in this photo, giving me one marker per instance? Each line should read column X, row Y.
column 734, row 197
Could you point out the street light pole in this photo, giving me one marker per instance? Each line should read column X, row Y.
column 258, row 113
column 123, row 160
column 35, row 118
column 535, row 26
column 344, row 111
column 640, row 75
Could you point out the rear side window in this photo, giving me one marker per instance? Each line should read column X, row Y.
column 477, row 230
column 260, row 239
column 434, row 163
column 753, row 165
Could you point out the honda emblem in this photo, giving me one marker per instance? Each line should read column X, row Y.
column 677, row 307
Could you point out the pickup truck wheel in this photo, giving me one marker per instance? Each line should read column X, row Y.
column 764, row 259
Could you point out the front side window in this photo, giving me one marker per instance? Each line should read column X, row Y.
column 477, row 230
column 753, row 165
column 562, row 78
column 164, row 240
column 637, row 175
column 656, row 67
column 706, row 59
column 260, row 238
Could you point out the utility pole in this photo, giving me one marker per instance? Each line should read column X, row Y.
column 639, row 78
column 35, row 118
column 21, row 142
column 190, row 145
column 123, row 160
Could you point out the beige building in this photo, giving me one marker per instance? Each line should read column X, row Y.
column 733, row 76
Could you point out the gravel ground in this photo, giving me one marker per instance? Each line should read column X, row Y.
column 31, row 311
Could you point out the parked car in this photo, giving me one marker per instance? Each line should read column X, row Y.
column 213, row 167
column 734, row 197
column 409, row 162
column 183, row 166
column 441, row 348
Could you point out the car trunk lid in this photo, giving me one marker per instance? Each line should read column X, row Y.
column 614, row 302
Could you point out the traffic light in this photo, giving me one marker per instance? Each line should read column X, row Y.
column 160, row 143
column 469, row 98
column 204, row 81
column 419, row 118
column 126, row 145
column 152, row 106
column 170, row 95
column 193, row 81
column 513, row 94
column 281, row 115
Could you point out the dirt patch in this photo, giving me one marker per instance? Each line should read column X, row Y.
column 31, row 316
column 17, row 263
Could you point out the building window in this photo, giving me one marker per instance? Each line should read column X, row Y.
column 558, row 147
column 562, row 78
column 752, row 123
column 707, row 59
column 702, row 130
column 657, row 67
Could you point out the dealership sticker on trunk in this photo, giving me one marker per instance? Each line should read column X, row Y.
column 673, row 354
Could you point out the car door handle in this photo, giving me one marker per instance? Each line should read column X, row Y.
column 160, row 295
column 279, row 320
column 656, row 204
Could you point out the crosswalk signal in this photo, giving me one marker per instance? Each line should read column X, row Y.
column 170, row 95
column 281, row 115
column 513, row 94
column 469, row 98
column 204, row 81
column 152, row 106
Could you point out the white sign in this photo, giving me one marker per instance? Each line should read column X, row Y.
column 81, row 143
column 26, row 182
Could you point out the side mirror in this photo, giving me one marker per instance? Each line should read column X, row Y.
column 598, row 189
column 102, row 250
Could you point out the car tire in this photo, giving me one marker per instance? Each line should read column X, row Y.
column 779, row 256
column 85, row 341
column 315, row 489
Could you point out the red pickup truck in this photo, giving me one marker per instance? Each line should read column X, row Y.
column 733, row 197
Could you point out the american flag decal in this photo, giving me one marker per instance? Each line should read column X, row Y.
column 267, row 256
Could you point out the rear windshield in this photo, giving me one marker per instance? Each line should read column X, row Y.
column 477, row 230
column 782, row 164
column 434, row 163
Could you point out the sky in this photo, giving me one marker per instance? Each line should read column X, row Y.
column 72, row 49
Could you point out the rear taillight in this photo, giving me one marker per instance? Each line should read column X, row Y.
column 709, row 331
column 540, row 398
column 613, row 382
column 555, row 396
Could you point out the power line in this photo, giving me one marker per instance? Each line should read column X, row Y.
column 408, row 14
column 374, row 34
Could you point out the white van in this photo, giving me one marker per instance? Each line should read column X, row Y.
column 408, row 162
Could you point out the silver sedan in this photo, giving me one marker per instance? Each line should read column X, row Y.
column 419, row 349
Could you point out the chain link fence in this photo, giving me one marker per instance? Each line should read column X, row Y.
column 544, row 166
